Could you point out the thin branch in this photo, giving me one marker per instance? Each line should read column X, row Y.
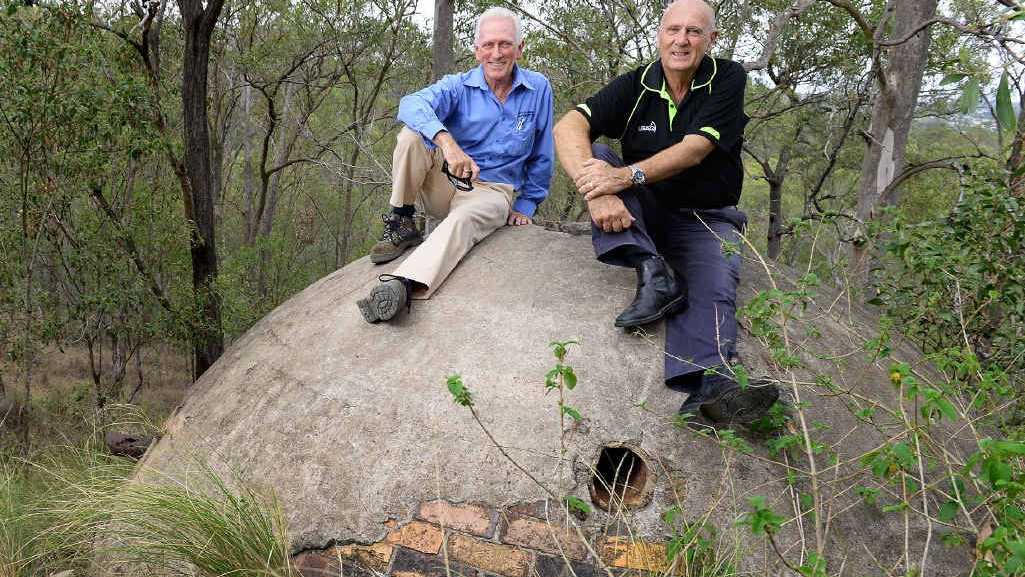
column 775, row 31
column 128, row 243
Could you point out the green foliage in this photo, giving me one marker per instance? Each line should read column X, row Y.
column 577, row 506
column 1006, row 118
column 59, row 508
column 814, row 566
column 955, row 273
column 694, row 547
column 770, row 310
column 460, row 394
column 782, row 443
column 775, row 420
column 762, row 520
column 561, row 378
column 887, row 461
column 730, row 439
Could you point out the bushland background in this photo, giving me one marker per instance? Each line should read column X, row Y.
column 172, row 171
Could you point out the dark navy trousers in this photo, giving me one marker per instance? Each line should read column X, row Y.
column 702, row 247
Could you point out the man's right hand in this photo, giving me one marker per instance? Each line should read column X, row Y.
column 609, row 213
column 460, row 165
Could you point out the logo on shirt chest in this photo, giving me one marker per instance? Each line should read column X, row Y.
column 523, row 120
column 647, row 127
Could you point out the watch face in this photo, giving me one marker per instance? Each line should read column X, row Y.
column 638, row 176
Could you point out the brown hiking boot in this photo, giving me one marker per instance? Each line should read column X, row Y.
column 399, row 234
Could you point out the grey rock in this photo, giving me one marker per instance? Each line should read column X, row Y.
column 351, row 423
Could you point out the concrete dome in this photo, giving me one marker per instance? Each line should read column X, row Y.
column 352, row 425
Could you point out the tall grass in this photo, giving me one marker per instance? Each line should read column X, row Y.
column 35, row 533
column 76, row 508
column 204, row 524
column 18, row 550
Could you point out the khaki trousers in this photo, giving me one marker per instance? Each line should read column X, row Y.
column 466, row 216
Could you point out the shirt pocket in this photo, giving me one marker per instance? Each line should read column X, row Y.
column 522, row 134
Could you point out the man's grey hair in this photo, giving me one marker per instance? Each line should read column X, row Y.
column 710, row 6
column 498, row 12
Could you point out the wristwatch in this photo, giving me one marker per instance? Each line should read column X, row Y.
column 636, row 175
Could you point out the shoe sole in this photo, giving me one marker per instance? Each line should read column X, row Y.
column 742, row 405
column 381, row 258
column 667, row 308
column 384, row 302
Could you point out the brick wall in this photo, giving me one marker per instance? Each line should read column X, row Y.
column 476, row 540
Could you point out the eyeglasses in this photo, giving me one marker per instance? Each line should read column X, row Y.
column 503, row 46
column 463, row 184
column 691, row 32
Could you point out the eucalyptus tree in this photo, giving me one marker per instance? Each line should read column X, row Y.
column 198, row 21
column 897, row 36
column 279, row 67
column 802, row 74
column 442, row 55
column 385, row 56
column 192, row 162
column 94, row 268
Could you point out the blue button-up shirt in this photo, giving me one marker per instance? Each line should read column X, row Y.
column 511, row 142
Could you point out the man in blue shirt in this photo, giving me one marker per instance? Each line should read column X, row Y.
column 490, row 130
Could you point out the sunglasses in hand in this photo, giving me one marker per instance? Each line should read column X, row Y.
column 463, row 184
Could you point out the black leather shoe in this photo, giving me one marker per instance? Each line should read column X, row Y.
column 657, row 294
column 722, row 400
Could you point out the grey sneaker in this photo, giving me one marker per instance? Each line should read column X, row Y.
column 400, row 233
column 386, row 299
column 722, row 400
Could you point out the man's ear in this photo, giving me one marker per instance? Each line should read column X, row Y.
column 712, row 38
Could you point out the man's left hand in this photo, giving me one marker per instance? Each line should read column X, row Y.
column 598, row 178
column 518, row 219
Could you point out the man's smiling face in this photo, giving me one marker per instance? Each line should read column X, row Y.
column 685, row 35
column 497, row 50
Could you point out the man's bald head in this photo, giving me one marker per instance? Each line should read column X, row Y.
column 700, row 4
column 685, row 34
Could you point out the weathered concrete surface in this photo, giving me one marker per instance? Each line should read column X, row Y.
column 351, row 424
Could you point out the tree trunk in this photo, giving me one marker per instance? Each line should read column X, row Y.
column 199, row 26
column 776, row 180
column 775, row 218
column 442, row 59
column 899, row 83
column 282, row 151
column 250, row 186
column 1016, row 160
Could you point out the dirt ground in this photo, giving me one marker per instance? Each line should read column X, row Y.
column 64, row 405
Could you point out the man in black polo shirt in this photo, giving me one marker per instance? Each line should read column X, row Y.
column 673, row 202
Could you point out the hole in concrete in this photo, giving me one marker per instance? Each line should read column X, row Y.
column 619, row 480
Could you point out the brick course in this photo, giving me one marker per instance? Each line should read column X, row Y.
column 543, row 536
column 417, row 535
column 467, row 517
column 445, row 542
column 333, row 562
column 409, row 563
column 547, row 566
column 626, row 553
column 491, row 557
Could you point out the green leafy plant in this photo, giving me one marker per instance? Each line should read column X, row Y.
column 694, row 548
column 561, row 378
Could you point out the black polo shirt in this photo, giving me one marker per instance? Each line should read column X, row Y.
column 637, row 109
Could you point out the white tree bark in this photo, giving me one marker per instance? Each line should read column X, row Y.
column 899, row 82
